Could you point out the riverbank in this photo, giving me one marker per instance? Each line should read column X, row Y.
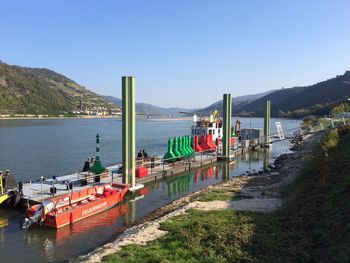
column 55, row 117
column 261, row 193
column 45, row 117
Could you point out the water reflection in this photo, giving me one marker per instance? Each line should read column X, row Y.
column 3, row 223
column 266, row 158
column 45, row 244
column 225, row 171
column 180, row 184
column 49, row 240
column 131, row 216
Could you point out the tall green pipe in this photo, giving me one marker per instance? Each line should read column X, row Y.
column 185, row 146
column 128, row 107
column 189, row 145
column 267, row 122
column 227, row 125
column 181, row 147
column 176, row 148
column 170, row 155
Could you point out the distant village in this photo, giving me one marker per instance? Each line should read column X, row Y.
column 96, row 110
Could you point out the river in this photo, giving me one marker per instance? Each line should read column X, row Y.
column 34, row 148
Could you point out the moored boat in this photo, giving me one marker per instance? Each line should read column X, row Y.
column 67, row 209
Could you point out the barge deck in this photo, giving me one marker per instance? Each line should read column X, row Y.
column 34, row 192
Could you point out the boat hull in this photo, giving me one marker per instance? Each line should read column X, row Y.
column 87, row 206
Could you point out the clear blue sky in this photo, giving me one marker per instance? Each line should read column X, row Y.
column 183, row 53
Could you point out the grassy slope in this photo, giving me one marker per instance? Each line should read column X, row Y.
column 42, row 91
column 314, row 225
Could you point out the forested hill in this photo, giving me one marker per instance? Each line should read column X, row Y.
column 298, row 102
column 43, row 91
column 237, row 102
column 152, row 110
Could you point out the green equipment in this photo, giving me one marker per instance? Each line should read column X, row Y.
column 176, row 148
column 170, row 155
column 97, row 168
column 181, row 148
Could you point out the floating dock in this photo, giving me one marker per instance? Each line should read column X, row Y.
column 34, row 192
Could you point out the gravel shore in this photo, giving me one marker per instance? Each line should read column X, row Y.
column 261, row 193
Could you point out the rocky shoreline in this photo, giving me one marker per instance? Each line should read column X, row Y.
column 257, row 193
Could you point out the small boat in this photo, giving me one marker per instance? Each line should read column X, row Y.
column 64, row 210
column 9, row 194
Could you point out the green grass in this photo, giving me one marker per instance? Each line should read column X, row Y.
column 224, row 236
column 221, row 195
column 313, row 226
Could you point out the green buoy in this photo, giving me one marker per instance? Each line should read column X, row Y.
column 97, row 168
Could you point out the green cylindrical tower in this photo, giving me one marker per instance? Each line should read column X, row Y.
column 129, row 129
column 267, row 123
column 176, row 148
column 227, row 105
column 169, row 156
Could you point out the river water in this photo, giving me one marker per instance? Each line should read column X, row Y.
column 34, row 148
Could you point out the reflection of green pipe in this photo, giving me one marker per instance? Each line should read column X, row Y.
column 179, row 184
column 266, row 158
column 225, row 170
column 131, row 213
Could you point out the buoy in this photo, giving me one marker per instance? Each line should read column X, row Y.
column 197, row 147
column 170, row 156
column 203, row 143
column 176, row 148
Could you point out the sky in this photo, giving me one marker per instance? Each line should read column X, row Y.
column 184, row 53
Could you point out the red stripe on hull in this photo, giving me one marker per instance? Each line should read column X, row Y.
column 87, row 207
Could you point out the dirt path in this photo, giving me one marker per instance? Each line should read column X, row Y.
column 261, row 193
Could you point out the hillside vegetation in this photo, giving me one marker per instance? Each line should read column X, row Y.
column 313, row 226
column 151, row 110
column 297, row 102
column 237, row 102
column 42, row 91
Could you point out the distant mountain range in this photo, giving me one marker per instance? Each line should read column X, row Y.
column 295, row 102
column 152, row 110
column 42, row 91
column 299, row 102
column 236, row 103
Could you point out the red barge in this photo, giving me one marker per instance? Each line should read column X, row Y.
column 67, row 209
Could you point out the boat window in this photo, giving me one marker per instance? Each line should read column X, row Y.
column 213, row 132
